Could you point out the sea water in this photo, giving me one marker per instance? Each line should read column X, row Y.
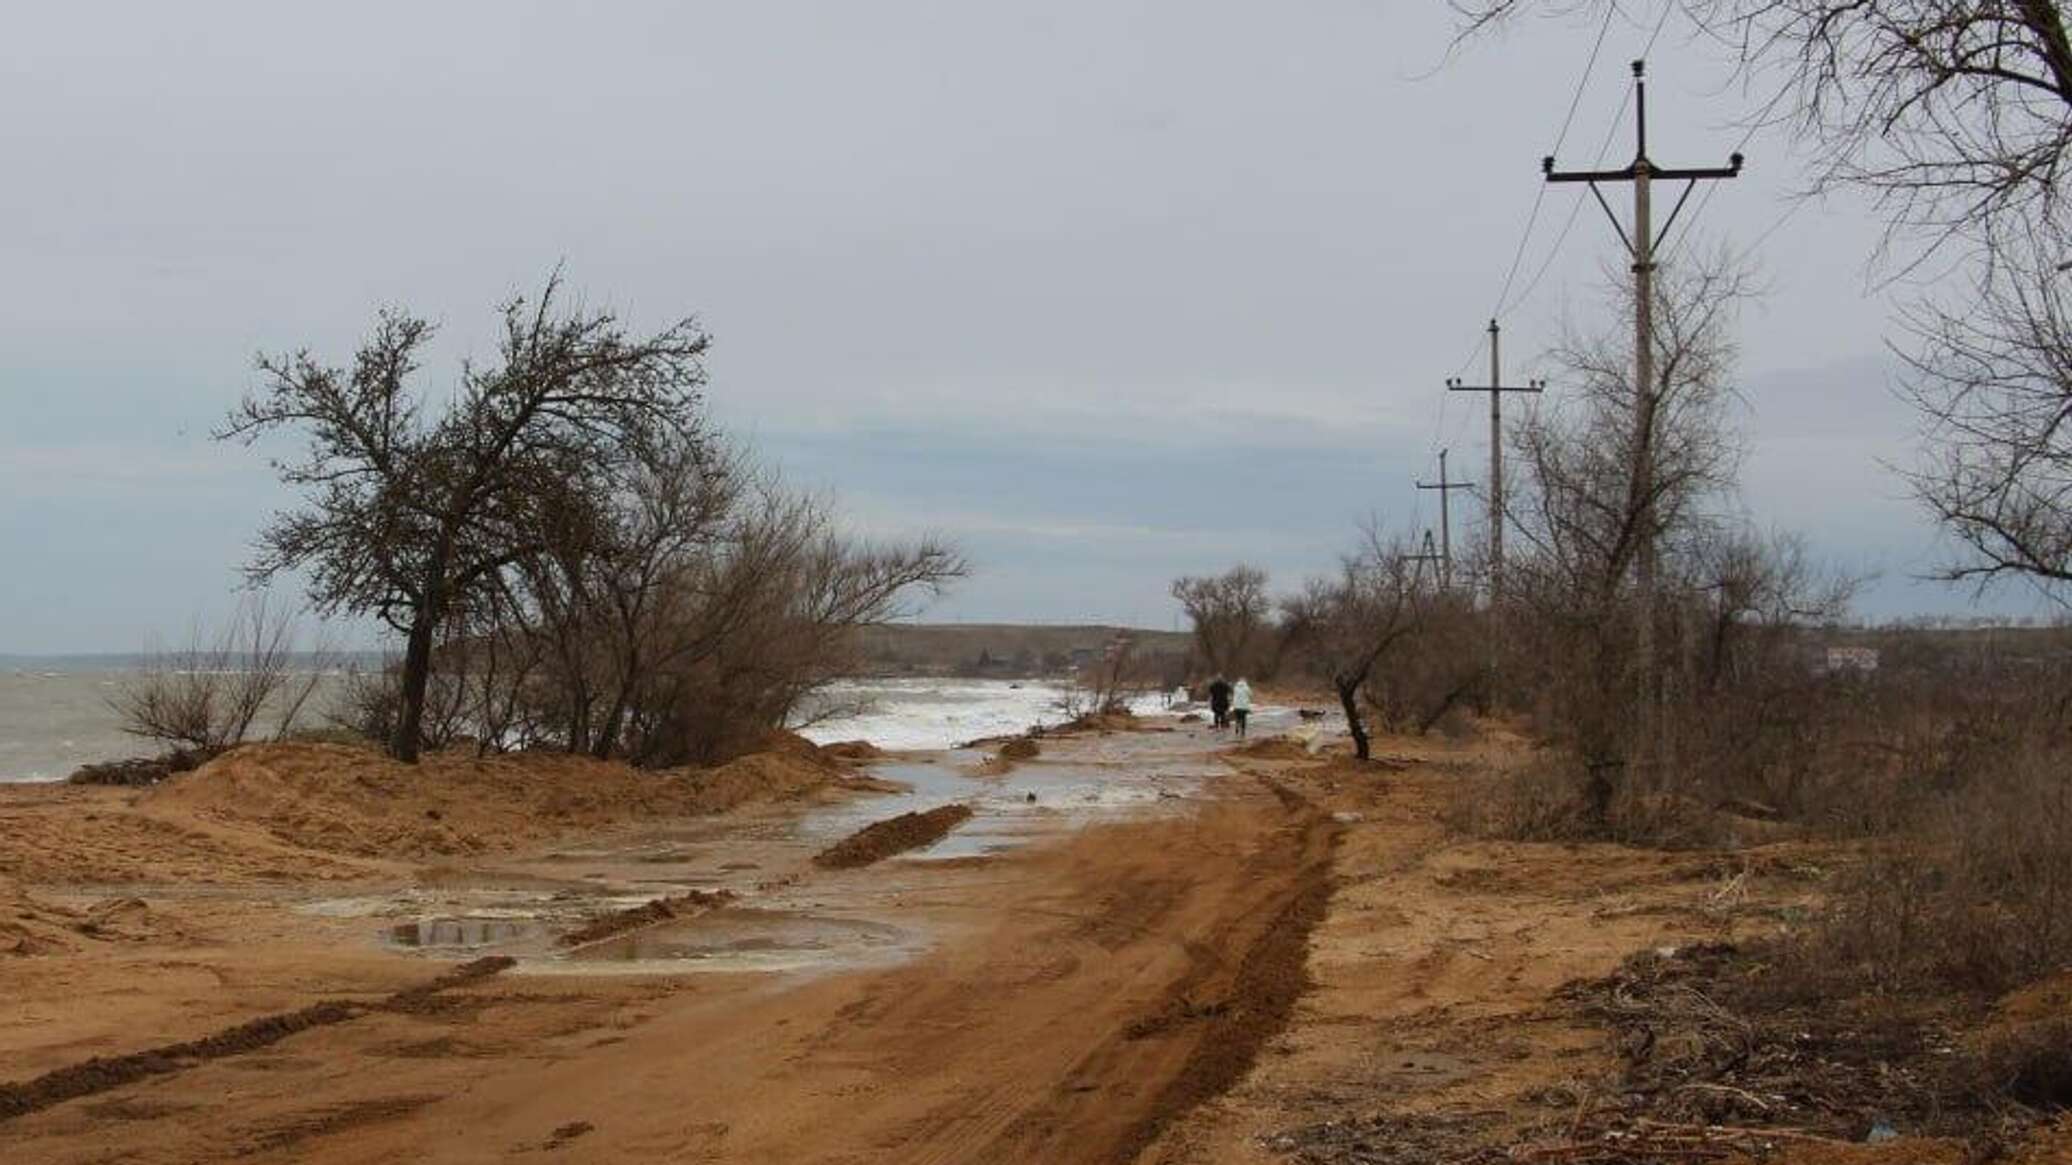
column 55, row 715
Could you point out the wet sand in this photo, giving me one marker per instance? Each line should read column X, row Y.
column 1034, row 934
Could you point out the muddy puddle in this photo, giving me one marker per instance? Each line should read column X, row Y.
column 785, row 916
column 1032, row 799
column 748, row 939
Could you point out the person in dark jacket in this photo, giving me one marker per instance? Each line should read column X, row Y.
column 1219, row 701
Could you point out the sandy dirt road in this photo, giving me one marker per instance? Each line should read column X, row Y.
column 1294, row 962
column 1077, row 998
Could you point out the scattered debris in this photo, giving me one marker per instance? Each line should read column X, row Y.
column 1393, row 1139
column 1709, row 1041
column 143, row 771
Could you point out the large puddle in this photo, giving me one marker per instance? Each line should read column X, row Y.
column 782, row 923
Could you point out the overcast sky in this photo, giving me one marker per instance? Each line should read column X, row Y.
column 1107, row 292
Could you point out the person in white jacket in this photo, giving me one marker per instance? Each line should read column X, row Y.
column 1240, row 704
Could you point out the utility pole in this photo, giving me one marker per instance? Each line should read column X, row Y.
column 1641, row 244
column 1496, row 388
column 1445, row 488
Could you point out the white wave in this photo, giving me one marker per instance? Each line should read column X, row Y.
column 944, row 713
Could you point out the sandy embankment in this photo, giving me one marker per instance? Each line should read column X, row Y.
column 136, row 917
column 297, row 812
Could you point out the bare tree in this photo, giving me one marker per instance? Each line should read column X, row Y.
column 1992, row 380
column 407, row 517
column 767, row 618
column 1346, row 624
column 671, row 510
column 1754, row 591
column 1229, row 613
column 1602, row 490
column 1108, row 684
column 1443, row 666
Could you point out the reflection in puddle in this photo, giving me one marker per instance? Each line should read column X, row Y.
column 460, row 932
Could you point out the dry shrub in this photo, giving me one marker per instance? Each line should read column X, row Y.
column 212, row 693
column 2029, row 1064
column 1546, row 800
column 1537, row 802
column 1978, row 897
column 1705, row 1036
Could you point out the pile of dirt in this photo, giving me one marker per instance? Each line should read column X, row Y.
column 351, row 801
column 646, row 914
column 29, row 926
column 785, row 742
column 851, row 751
column 1113, row 720
column 757, row 777
column 1021, row 748
column 1273, row 748
column 882, row 839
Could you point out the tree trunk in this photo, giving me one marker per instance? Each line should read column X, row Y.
column 417, row 674
column 579, row 703
column 614, row 721
column 1348, row 697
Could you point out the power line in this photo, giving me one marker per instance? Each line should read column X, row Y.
column 1539, row 198
column 1625, row 99
column 1576, row 207
column 1504, row 302
column 1697, row 212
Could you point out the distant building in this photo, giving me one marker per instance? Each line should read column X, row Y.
column 1854, row 660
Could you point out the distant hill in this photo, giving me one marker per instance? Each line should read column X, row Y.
column 1020, row 650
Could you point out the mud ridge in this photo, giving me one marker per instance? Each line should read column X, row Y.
column 894, row 835
column 649, row 913
column 103, row 1073
column 1271, row 978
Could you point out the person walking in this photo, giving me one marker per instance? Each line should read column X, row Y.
column 1241, row 704
column 1219, row 702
